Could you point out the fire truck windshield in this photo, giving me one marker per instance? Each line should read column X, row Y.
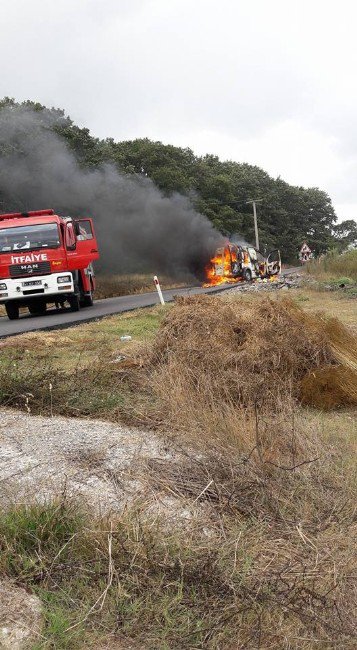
column 45, row 235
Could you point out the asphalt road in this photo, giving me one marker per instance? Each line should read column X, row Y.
column 56, row 319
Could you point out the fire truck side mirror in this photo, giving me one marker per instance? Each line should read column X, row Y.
column 70, row 237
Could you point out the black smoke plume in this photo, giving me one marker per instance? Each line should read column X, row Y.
column 137, row 227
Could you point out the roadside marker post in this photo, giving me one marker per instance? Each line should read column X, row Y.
column 157, row 285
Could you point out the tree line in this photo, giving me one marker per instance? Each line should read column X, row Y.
column 221, row 190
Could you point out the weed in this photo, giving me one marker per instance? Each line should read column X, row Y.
column 335, row 266
column 271, row 558
column 37, row 532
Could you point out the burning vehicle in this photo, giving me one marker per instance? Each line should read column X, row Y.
column 233, row 263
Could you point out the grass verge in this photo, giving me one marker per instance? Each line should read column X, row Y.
column 262, row 553
column 75, row 372
column 269, row 561
column 109, row 286
column 89, row 371
column 334, row 267
column 264, row 556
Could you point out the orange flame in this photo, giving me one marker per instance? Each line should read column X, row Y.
column 219, row 270
column 224, row 266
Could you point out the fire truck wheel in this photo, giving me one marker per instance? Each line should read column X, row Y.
column 87, row 300
column 247, row 275
column 74, row 303
column 12, row 310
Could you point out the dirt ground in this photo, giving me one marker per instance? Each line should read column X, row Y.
column 100, row 463
column 20, row 617
column 93, row 459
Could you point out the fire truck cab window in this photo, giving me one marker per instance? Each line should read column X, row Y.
column 29, row 237
column 84, row 230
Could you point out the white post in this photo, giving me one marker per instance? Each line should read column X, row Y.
column 157, row 285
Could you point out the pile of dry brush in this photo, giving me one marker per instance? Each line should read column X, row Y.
column 260, row 354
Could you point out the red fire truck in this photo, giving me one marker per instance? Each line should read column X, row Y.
column 45, row 258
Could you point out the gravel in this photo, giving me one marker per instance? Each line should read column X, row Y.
column 20, row 617
column 284, row 283
column 42, row 457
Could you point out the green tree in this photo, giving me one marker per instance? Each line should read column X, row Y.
column 346, row 234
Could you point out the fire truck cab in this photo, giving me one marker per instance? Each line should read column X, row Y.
column 46, row 258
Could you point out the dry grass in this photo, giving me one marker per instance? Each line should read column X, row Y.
column 109, row 286
column 334, row 266
column 269, row 561
column 215, row 357
column 212, row 355
column 81, row 366
column 330, row 304
column 285, row 532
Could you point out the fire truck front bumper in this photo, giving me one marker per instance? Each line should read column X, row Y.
column 46, row 286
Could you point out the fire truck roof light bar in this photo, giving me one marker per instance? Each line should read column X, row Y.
column 22, row 215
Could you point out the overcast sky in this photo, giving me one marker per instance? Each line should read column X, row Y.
column 269, row 82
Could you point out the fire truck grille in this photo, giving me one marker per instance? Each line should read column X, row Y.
column 23, row 270
column 32, row 292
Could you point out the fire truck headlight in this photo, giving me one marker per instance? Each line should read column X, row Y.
column 3, row 286
column 64, row 278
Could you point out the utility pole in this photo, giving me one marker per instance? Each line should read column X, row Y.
column 255, row 222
